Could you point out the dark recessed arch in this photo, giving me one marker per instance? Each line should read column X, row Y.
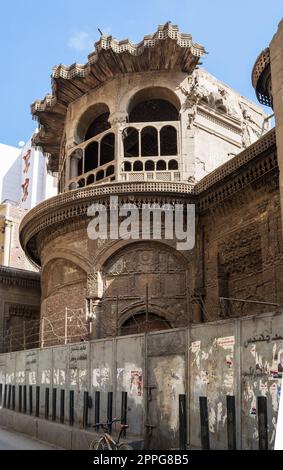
column 138, row 166
column 127, row 166
column 154, row 104
column 91, row 156
column 173, row 165
column 149, row 165
column 168, row 141
column 149, row 142
column 161, row 165
column 81, row 183
column 107, row 149
column 90, row 179
column 100, row 175
column 110, row 170
column 141, row 322
column 93, row 122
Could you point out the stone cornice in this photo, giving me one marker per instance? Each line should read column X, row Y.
column 19, row 277
column 167, row 49
column 67, row 208
column 24, row 311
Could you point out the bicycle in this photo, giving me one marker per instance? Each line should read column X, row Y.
column 106, row 442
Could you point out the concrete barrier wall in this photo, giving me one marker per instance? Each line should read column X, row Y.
column 233, row 357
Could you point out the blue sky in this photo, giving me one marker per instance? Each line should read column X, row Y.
column 35, row 35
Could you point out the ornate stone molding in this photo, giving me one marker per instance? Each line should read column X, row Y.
column 42, row 221
column 24, row 311
column 19, row 278
column 227, row 123
column 59, row 212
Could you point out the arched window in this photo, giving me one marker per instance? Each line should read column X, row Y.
column 127, row 166
column 131, row 142
column 91, row 157
column 81, row 183
column 90, row 179
column 138, row 166
column 110, row 170
column 149, row 142
column 99, row 125
column 154, row 111
column 107, row 149
column 76, row 163
column 173, row 165
column 154, row 104
column 94, row 121
column 80, row 167
column 149, row 165
column 100, row 175
column 141, row 322
column 168, row 141
column 161, row 165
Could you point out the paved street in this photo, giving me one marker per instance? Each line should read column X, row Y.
column 10, row 440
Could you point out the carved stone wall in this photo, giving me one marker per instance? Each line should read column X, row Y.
column 238, row 254
column 118, row 283
column 63, row 302
column 243, row 255
column 19, row 309
column 145, row 277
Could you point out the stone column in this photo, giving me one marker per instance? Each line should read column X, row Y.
column 74, row 166
column 276, row 62
column 94, row 292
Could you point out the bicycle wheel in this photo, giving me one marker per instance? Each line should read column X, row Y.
column 125, row 446
column 99, row 444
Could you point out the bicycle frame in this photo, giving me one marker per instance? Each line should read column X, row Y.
column 110, row 442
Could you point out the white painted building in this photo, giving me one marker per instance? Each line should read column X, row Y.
column 23, row 176
column 24, row 183
column 10, row 173
column 36, row 184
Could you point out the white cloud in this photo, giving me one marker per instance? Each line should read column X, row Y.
column 81, row 41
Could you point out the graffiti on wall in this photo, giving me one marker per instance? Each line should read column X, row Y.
column 213, row 366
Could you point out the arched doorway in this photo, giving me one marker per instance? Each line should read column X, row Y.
column 141, row 323
column 139, row 274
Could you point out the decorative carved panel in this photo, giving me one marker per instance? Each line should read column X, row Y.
column 241, row 251
column 92, row 286
column 134, row 268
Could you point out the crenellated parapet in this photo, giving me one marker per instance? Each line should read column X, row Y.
column 166, row 50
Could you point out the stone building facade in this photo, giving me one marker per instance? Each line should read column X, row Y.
column 19, row 286
column 145, row 124
column 11, row 253
column 19, row 309
column 267, row 79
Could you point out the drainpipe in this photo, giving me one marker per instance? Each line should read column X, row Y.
column 7, row 237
